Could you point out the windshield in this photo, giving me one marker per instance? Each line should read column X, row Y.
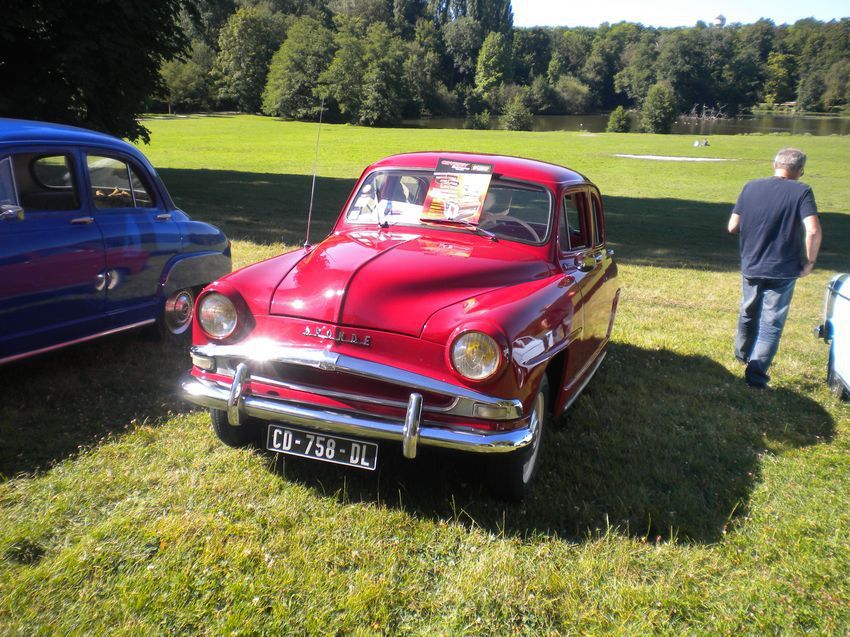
column 511, row 210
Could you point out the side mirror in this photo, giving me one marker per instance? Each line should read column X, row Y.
column 9, row 212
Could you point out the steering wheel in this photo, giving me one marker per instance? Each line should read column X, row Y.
column 495, row 219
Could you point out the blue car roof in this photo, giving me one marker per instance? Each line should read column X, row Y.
column 16, row 131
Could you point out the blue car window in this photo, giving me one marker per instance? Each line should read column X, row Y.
column 141, row 194
column 110, row 182
column 8, row 196
column 117, row 184
column 45, row 182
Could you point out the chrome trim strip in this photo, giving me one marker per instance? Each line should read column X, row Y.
column 328, row 393
column 209, row 394
column 332, row 361
column 76, row 341
column 586, row 380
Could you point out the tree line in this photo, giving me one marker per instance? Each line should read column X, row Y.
column 374, row 62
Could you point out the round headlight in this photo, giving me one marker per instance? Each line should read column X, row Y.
column 475, row 355
column 217, row 315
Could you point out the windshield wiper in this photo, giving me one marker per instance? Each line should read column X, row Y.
column 466, row 224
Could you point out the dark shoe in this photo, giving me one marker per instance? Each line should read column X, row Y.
column 756, row 386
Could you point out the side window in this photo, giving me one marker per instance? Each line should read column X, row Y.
column 8, row 196
column 573, row 233
column 598, row 225
column 45, row 182
column 116, row 184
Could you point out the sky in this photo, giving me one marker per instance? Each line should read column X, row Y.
column 670, row 13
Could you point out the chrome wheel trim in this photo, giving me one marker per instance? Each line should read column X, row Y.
column 536, row 426
column 177, row 314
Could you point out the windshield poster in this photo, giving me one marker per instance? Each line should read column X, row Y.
column 457, row 191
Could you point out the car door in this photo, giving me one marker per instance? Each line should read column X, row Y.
column 600, row 279
column 138, row 232
column 582, row 256
column 51, row 253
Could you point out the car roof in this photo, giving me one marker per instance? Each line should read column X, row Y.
column 503, row 165
column 18, row 131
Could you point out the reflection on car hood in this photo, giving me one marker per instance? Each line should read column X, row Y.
column 394, row 282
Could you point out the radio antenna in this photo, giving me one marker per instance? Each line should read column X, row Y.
column 315, row 165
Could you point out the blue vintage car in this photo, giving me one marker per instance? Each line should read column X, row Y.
column 90, row 241
column 835, row 330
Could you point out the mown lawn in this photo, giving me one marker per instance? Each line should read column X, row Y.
column 672, row 499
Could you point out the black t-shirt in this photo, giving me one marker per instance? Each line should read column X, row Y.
column 772, row 212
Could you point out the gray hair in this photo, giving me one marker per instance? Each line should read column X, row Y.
column 790, row 159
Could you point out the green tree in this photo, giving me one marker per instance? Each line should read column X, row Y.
column 683, row 64
column 343, row 78
column 93, row 64
column 367, row 10
column 531, row 54
column 517, row 115
column 188, row 82
column 619, row 121
column 569, row 52
column 659, row 109
column 837, row 84
column 463, row 38
column 291, row 90
column 779, row 86
column 383, row 94
column 573, row 95
column 422, row 75
column 493, row 63
column 247, row 43
column 638, row 74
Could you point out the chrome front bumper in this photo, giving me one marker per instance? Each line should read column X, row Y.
column 410, row 432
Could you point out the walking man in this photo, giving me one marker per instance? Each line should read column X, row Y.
column 772, row 215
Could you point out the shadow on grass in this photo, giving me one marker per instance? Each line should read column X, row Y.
column 691, row 234
column 62, row 401
column 267, row 208
column 260, row 207
column 659, row 444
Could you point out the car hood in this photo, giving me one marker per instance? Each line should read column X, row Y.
column 395, row 282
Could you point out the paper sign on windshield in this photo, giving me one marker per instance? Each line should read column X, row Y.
column 457, row 191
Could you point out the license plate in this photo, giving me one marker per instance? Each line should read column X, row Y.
column 310, row 444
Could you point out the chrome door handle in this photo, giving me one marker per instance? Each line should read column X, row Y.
column 82, row 221
column 11, row 212
column 165, row 216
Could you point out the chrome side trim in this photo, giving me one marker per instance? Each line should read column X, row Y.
column 328, row 393
column 76, row 341
column 466, row 399
column 586, row 380
column 209, row 394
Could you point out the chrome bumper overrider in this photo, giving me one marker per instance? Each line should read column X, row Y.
column 411, row 432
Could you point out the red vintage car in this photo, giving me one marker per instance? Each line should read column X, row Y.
column 406, row 325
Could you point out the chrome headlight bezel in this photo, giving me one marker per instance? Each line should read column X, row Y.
column 217, row 315
column 475, row 355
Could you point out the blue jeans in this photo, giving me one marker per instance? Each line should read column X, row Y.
column 764, row 309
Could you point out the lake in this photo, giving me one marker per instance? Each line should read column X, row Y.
column 765, row 124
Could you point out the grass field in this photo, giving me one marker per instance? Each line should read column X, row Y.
column 671, row 499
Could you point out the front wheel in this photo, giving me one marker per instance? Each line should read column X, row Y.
column 835, row 384
column 235, row 436
column 175, row 322
column 510, row 476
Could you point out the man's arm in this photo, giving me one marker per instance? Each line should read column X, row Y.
column 813, row 238
column 734, row 223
